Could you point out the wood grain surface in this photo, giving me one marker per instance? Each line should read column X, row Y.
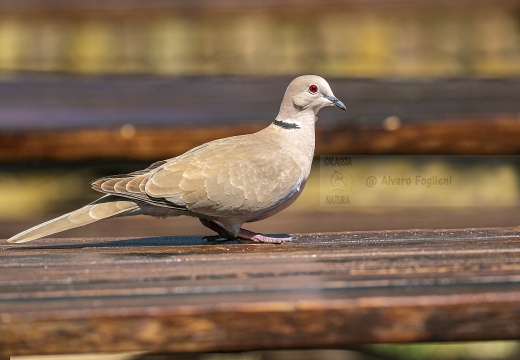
column 327, row 290
column 158, row 7
column 67, row 118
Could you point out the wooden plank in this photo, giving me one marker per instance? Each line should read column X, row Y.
column 158, row 7
column 494, row 136
column 74, row 102
column 180, row 294
column 293, row 219
column 497, row 136
column 108, row 144
column 148, row 118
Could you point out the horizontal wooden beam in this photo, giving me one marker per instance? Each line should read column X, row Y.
column 66, row 119
column 181, row 294
column 449, row 137
column 136, row 8
column 494, row 136
column 58, row 102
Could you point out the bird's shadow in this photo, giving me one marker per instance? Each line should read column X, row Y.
column 142, row 242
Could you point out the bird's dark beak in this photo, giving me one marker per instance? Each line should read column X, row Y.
column 334, row 100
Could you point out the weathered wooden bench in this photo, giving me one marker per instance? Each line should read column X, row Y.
column 329, row 290
column 180, row 294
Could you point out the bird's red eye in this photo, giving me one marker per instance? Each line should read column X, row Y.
column 313, row 88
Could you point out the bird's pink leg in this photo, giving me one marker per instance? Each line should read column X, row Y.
column 249, row 235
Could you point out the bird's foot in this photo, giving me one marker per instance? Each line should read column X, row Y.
column 218, row 238
column 250, row 235
column 244, row 234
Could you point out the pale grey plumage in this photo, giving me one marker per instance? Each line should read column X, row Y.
column 226, row 182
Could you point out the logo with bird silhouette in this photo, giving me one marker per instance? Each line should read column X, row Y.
column 337, row 181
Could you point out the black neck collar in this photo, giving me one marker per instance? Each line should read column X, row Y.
column 286, row 125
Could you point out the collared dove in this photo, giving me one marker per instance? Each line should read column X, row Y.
column 225, row 182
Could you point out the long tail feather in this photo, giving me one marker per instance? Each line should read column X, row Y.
column 106, row 207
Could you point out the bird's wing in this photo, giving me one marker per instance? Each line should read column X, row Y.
column 219, row 179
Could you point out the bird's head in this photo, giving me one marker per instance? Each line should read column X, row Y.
column 308, row 92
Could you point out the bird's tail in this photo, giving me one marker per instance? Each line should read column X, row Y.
column 106, row 207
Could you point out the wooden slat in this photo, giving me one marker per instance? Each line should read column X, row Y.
column 148, row 118
column 449, row 137
column 181, row 294
column 160, row 7
column 69, row 102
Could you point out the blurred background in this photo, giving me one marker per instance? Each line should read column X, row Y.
column 92, row 88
